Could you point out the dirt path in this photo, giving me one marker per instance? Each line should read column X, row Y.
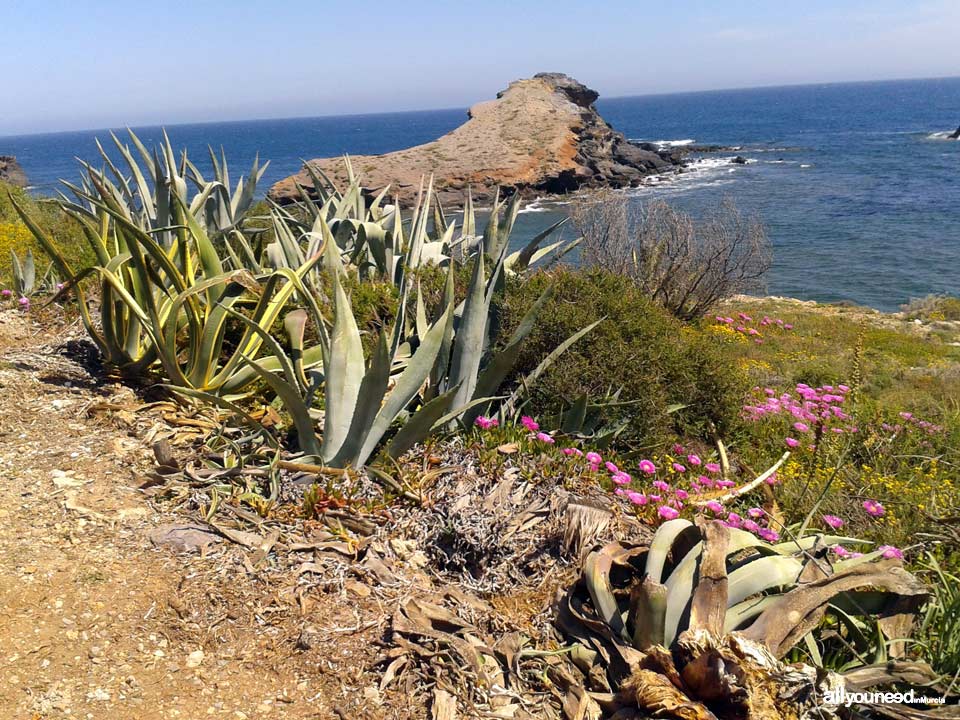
column 97, row 623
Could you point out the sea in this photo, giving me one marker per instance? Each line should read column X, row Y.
column 857, row 183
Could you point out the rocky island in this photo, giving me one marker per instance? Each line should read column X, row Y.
column 540, row 136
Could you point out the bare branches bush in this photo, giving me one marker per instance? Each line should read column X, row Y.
column 683, row 264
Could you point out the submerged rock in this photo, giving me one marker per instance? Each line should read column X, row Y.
column 542, row 135
column 11, row 172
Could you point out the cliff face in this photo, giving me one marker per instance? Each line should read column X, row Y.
column 11, row 172
column 541, row 135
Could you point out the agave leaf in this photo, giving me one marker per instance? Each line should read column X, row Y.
column 372, row 391
column 680, row 583
column 781, row 625
column 344, row 369
column 521, row 259
column 596, row 573
column 747, row 610
column 470, row 337
column 408, row 384
column 762, row 574
column 660, row 546
column 648, row 611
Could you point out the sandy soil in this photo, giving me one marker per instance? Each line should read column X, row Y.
column 96, row 622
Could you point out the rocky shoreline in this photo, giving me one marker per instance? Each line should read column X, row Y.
column 11, row 172
column 541, row 136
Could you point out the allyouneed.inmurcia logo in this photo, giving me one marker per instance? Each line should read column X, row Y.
column 847, row 698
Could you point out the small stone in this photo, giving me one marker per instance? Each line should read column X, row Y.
column 194, row 659
column 357, row 588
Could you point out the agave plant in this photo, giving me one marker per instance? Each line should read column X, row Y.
column 372, row 236
column 24, row 274
column 168, row 305
column 697, row 623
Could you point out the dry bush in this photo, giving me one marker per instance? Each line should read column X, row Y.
column 683, row 264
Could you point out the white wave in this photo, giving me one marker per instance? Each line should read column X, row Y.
column 665, row 143
column 540, row 204
column 944, row 135
column 805, row 165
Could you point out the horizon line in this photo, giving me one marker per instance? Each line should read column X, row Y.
column 460, row 108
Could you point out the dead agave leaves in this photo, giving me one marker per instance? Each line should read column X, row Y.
column 617, row 610
column 454, row 655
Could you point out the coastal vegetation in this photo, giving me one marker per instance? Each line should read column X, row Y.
column 783, row 475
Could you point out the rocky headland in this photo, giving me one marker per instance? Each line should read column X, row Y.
column 11, row 172
column 540, row 136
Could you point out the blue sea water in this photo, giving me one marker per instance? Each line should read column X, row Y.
column 857, row 183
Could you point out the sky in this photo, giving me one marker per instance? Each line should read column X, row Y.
column 83, row 64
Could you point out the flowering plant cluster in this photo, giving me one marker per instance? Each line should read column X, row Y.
column 813, row 411
column 745, row 325
column 910, row 422
column 682, row 480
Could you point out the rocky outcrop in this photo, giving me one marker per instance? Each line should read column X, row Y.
column 11, row 172
column 955, row 135
column 542, row 135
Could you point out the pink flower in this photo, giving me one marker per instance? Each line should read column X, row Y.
column 714, row 507
column 677, row 449
column 24, row 302
column 906, row 415
column 637, row 498
column 621, row 478
column 574, row 452
column 611, row 467
column 833, row 521
column 679, row 468
column 755, row 512
column 485, row 423
column 712, row 468
column 874, row 508
column 544, row 438
column 725, row 484
column 529, row 423
column 791, row 443
column 668, row 513
column 734, row 520
column 890, row 552
column 787, row 326
column 769, row 535
column 647, row 467
column 6, row 293
column 800, row 427
column 661, row 485
column 773, row 479
column 840, row 551
column 681, row 494
column 693, row 460
column 654, row 498
column 593, row 458
column 751, row 526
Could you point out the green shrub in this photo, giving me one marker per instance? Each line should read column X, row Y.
column 15, row 236
column 653, row 359
column 933, row 307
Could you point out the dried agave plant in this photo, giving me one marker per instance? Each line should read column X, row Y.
column 698, row 624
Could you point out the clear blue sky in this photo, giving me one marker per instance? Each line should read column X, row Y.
column 76, row 64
